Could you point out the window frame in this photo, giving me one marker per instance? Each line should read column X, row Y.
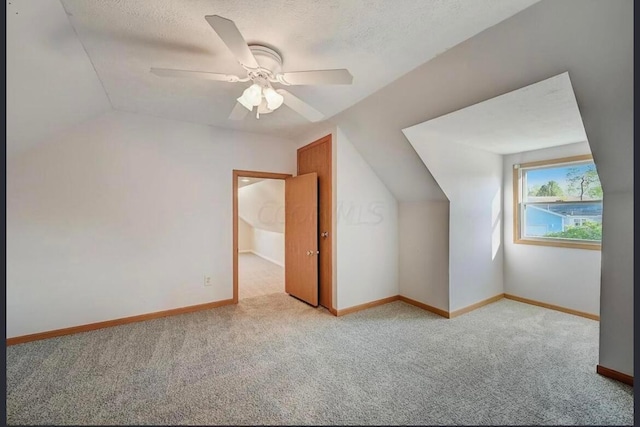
column 517, row 212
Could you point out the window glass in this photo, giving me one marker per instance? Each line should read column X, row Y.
column 560, row 202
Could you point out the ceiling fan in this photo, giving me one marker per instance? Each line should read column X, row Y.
column 264, row 67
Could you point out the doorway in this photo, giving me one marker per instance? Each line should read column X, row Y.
column 258, row 233
column 300, row 243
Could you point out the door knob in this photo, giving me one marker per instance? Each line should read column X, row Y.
column 324, row 234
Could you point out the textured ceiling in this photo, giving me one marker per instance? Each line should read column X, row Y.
column 50, row 86
column 592, row 40
column 541, row 115
column 377, row 40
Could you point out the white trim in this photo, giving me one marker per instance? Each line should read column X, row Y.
column 264, row 257
column 244, row 251
column 545, row 210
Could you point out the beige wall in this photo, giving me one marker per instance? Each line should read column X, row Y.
column 245, row 236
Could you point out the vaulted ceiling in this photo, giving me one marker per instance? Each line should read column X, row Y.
column 376, row 40
column 542, row 115
column 412, row 61
column 51, row 86
column 591, row 40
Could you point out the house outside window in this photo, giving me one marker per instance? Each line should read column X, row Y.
column 558, row 203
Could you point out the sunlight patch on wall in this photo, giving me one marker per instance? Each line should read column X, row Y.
column 496, row 234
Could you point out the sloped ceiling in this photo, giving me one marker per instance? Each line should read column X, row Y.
column 541, row 115
column 261, row 204
column 591, row 40
column 50, row 85
column 377, row 40
column 243, row 181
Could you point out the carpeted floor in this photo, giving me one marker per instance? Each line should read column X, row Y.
column 257, row 276
column 275, row 360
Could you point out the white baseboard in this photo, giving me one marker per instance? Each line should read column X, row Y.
column 281, row 264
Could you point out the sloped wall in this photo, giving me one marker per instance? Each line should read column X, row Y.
column 472, row 180
column 591, row 39
column 366, row 243
column 367, row 231
column 262, row 205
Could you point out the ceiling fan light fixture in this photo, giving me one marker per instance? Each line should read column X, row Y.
column 274, row 99
column 251, row 97
column 244, row 103
column 263, row 108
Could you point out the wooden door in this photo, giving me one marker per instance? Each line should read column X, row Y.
column 316, row 157
column 301, row 237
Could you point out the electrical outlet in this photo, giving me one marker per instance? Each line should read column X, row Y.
column 208, row 281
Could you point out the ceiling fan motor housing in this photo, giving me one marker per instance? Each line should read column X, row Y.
column 269, row 60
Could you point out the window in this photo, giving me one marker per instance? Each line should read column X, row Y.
column 558, row 203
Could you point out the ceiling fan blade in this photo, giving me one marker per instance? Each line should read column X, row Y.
column 300, row 107
column 167, row 72
column 318, row 77
column 232, row 37
column 238, row 112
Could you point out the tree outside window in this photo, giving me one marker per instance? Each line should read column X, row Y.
column 559, row 201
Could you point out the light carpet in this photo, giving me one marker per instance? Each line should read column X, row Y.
column 257, row 276
column 275, row 360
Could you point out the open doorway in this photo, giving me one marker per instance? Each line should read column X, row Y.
column 258, row 237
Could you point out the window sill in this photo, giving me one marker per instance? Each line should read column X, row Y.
column 559, row 244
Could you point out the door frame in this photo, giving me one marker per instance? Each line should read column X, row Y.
column 245, row 174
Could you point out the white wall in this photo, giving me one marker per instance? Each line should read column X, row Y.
column 424, row 252
column 562, row 276
column 262, row 206
column 245, row 236
column 266, row 244
column 125, row 215
column 367, row 234
column 593, row 41
column 616, row 295
column 472, row 180
column 269, row 245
